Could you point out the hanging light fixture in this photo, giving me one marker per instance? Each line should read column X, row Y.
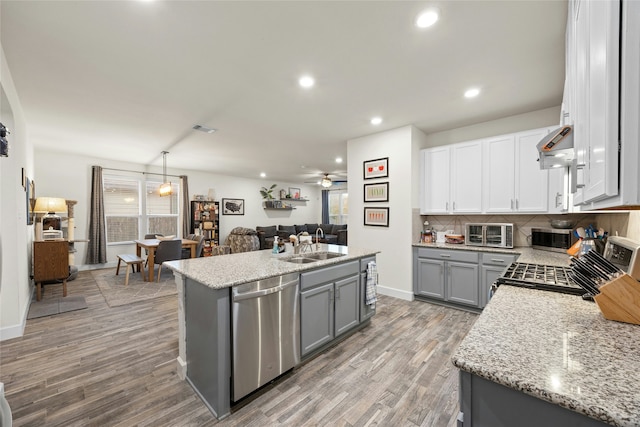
column 165, row 188
column 326, row 181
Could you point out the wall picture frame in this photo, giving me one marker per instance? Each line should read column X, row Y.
column 376, row 217
column 232, row 206
column 377, row 168
column 30, row 187
column 378, row 192
column 294, row 193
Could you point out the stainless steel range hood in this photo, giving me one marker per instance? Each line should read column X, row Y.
column 556, row 149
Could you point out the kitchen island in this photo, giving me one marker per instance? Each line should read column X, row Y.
column 205, row 297
column 538, row 358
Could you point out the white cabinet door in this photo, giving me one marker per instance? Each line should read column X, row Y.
column 435, row 182
column 499, row 172
column 596, row 58
column 531, row 182
column 466, row 177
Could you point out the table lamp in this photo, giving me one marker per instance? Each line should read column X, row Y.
column 50, row 205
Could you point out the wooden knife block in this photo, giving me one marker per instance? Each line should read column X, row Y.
column 619, row 300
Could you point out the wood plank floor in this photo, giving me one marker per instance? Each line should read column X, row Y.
column 117, row 367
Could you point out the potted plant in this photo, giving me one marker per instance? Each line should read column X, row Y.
column 267, row 194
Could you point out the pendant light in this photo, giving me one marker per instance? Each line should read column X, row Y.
column 165, row 188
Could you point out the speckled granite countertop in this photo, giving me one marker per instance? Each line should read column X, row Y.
column 527, row 254
column 229, row 270
column 560, row 349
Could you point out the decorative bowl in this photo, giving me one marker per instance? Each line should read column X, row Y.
column 561, row 223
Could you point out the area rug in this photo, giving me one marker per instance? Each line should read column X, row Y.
column 116, row 293
column 50, row 307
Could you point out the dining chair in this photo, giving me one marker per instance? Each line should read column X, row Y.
column 186, row 252
column 146, row 251
column 167, row 250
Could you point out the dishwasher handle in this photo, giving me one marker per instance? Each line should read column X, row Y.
column 262, row 292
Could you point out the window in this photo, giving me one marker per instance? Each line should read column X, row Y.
column 338, row 206
column 131, row 213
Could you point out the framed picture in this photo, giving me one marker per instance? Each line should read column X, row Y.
column 30, row 186
column 376, row 192
column 378, row 168
column 378, row 217
column 232, row 206
column 295, row 193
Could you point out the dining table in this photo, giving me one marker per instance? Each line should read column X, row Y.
column 151, row 244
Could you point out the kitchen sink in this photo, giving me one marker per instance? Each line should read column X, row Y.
column 299, row 260
column 324, row 255
column 312, row 257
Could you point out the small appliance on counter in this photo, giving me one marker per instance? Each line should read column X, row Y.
column 625, row 254
column 498, row 235
column 552, row 239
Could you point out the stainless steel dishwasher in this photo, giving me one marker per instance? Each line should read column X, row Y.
column 265, row 331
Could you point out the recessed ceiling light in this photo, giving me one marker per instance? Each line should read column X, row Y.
column 427, row 18
column 338, row 159
column 306, row 81
column 472, row 93
column 263, row 175
column 376, row 121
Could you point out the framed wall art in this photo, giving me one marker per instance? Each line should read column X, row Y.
column 376, row 192
column 294, row 193
column 378, row 168
column 232, row 206
column 378, row 217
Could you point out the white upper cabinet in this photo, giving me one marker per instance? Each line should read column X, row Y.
column 514, row 181
column 592, row 95
column 466, row 177
column 452, row 179
column 435, row 180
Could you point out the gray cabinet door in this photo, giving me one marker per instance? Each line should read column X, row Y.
column 316, row 317
column 488, row 275
column 347, row 304
column 430, row 282
column 366, row 311
column 462, row 283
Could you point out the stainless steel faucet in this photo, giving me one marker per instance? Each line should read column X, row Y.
column 296, row 244
column 317, row 241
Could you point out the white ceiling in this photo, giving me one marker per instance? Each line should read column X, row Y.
column 125, row 80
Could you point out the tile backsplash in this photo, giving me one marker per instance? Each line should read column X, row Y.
column 611, row 222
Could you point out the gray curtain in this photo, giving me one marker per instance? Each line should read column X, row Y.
column 186, row 207
column 97, row 250
column 325, row 206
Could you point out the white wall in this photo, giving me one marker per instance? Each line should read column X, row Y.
column 15, row 235
column 394, row 243
column 69, row 176
column 517, row 123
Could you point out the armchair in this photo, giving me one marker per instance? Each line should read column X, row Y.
column 242, row 240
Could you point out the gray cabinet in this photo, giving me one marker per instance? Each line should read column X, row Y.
column 329, row 304
column 347, row 304
column 462, row 283
column 493, row 265
column 316, row 317
column 430, row 281
column 447, row 275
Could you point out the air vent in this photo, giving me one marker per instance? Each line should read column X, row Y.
column 204, row 129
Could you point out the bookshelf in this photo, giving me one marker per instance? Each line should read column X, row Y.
column 205, row 221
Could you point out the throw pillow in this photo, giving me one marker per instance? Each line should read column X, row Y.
column 300, row 228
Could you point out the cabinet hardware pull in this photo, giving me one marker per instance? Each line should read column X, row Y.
column 497, row 260
column 517, row 204
column 511, row 204
column 447, row 206
column 445, row 255
column 337, row 293
column 454, row 206
column 580, row 166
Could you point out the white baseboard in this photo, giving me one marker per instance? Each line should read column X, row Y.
column 16, row 331
column 396, row 293
column 85, row 267
column 182, row 368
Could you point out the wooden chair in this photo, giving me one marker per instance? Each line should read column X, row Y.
column 168, row 250
column 130, row 260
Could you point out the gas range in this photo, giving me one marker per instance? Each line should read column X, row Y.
column 537, row 276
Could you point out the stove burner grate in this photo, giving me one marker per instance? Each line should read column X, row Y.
column 539, row 276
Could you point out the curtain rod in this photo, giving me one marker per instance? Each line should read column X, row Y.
column 143, row 173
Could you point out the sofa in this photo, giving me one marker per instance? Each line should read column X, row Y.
column 242, row 239
column 333, row 233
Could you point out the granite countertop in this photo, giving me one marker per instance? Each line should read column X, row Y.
column 558, row 348
column 224, row 271
column 527, row 254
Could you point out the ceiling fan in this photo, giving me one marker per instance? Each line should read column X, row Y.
column 325, row 181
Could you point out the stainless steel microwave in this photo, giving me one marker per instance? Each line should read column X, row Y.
column 488, row 234
column 552, row 239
